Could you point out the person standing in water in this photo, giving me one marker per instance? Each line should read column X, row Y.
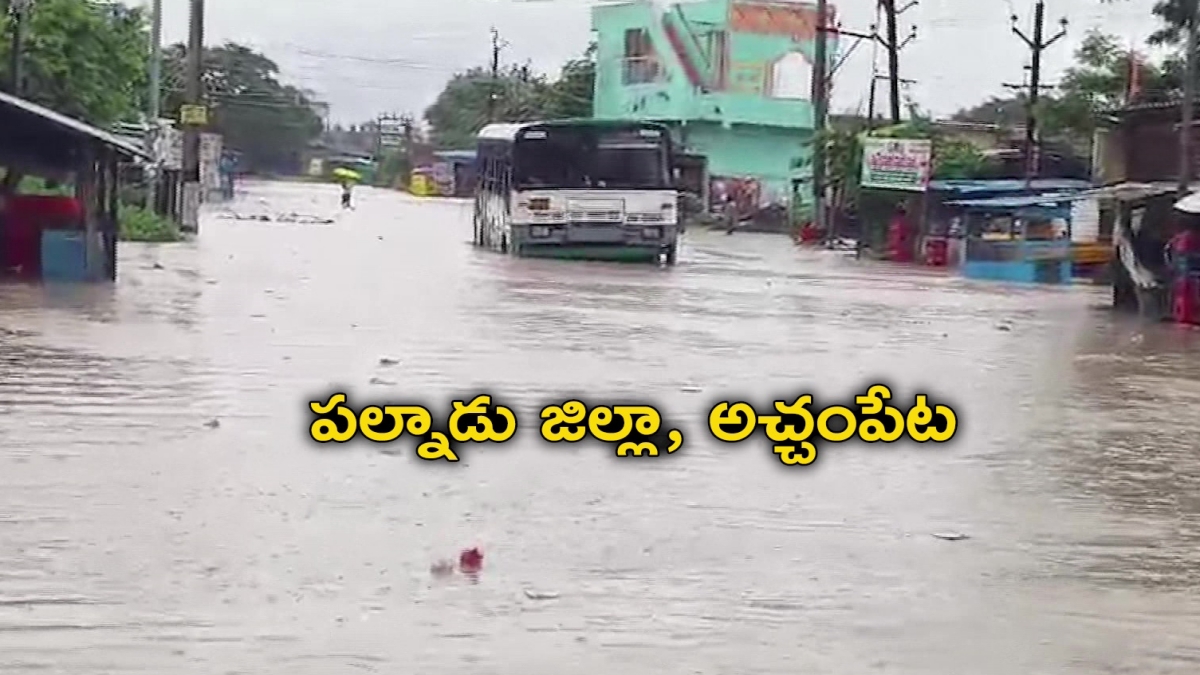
column 347, row 187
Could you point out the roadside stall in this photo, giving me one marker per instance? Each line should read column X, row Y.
column 71, row 233
column 1136, row 222
column 454, row 173
column 899, row 168
column 1022, row 239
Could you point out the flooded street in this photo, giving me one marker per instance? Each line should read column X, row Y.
column 163, row 511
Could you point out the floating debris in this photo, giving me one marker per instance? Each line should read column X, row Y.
column 385, row 361
column 950, row 536
column 442, row 568
column 691, row 389
column 380, row 382
column 535, row 595
column 213, row 424
column 470, row 561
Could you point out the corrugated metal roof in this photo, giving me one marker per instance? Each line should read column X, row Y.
column 1046, row 199
column 978, row 186
column 72, row 126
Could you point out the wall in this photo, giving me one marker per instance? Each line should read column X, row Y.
column 765, row 153
column 762, row 77
column 1149, row 140
column 744, row 103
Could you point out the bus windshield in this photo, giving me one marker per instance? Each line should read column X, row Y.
column 586, row 157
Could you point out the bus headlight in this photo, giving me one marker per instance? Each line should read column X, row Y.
column 652, row 232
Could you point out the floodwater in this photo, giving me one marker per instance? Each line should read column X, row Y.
column 162, row 511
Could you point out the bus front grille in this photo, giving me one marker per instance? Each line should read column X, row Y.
column 596, row 216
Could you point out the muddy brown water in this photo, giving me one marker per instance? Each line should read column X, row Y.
column 136, row 538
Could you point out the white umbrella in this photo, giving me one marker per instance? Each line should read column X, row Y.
column 1189, row 204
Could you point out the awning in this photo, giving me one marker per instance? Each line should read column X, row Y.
column 37, row 138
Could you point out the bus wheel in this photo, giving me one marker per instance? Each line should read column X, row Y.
column 672, row 253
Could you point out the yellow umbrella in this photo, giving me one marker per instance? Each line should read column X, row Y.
column 347, row 174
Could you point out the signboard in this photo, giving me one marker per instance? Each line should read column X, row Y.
column 896, row 163
column 211, row 147
column 168, row 148
column 193, row 115
column 391, row 133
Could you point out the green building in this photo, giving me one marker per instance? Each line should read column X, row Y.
column 732, row 77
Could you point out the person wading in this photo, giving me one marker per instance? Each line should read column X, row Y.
column 347, row 190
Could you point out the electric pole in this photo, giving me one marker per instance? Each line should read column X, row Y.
column 1189, row 101
column 893, row 47
column 154, row 101
column 194, row 95
column 155, row 106
column 494, row 96
column 820, row 98
column 1037, row 45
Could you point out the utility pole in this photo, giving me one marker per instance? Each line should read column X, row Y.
column 195, row 100
column 154, row 101
column 820, row 98
column 1189, row 101
column 494, row 96
column 893, row 47
column 1037, row 45
column 19, row 12
column 154, row 110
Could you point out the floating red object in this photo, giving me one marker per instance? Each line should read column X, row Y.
column 470, row 560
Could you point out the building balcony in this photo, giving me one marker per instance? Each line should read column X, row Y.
column 738, row 108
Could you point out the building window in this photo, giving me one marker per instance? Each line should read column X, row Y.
column 791, row 77
column 640, row 63
column 717, row 49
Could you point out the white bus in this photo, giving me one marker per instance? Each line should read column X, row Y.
column 577, row 189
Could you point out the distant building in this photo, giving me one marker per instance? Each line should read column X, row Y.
column 732, row 77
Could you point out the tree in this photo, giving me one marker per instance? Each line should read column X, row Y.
column 461, row 110
column 520, row 96
column 84, row 58
column 572, row 95
column 269, row 123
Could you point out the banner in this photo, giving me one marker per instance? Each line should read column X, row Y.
column 896, row 163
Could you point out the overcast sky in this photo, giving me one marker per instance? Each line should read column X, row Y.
column 365, row 57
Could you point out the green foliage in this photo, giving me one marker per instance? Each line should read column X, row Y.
column 954, row 159
column 144, row 225
column 34, row 185
column 268, row 122
column 394, row 170
column 84, row 58
column 461, row 110
column 1174, row 15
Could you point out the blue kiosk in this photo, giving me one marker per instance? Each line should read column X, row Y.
column 1018, row 238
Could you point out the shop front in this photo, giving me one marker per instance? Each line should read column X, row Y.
column 58, row 195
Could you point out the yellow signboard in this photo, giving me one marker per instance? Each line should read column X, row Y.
column 193, row 115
